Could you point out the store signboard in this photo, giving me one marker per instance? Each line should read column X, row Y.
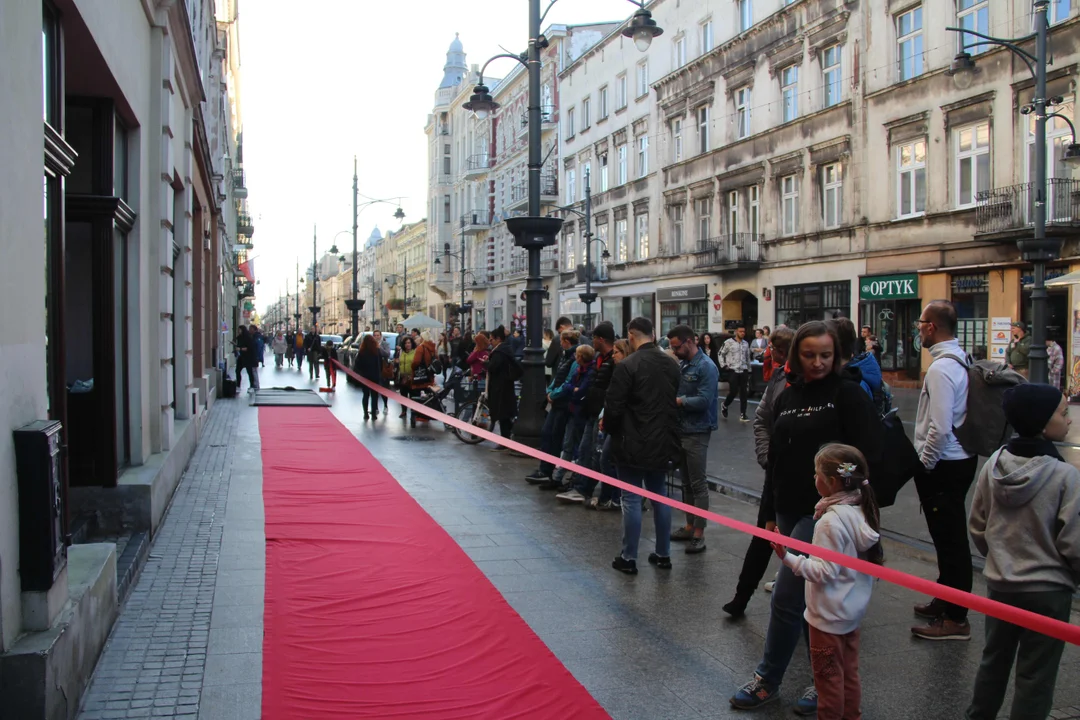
column 680, row 294
column 889, row 287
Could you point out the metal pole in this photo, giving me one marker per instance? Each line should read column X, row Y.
column 589, row 297
column 1037, row 359
column 354, row 308
column 461, row 307
column 297, row 315
column 533, row 397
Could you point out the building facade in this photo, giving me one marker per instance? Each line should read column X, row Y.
column 765, row 163
column 120, row 293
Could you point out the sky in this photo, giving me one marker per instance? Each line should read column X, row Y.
column 325, row 80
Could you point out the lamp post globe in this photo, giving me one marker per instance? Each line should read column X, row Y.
column 963, row 70
column 642, row 29
column 481, row 103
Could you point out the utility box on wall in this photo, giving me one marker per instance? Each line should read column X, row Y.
column 42, row 552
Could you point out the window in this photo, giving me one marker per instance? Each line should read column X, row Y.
column 972, row 163
column 1059, row 201
column 704, row 220
column 586, row 113
column 789, row 204
column 1059, row 10
column 446, row 208
column 620, row 92
column 571, row 187
column 643, row 156
column 446, row 165
column 621, row 153
column 789, row 88
column 706, row 36
column 603, row 173
column 641, row 235
column 832, row 194
column 733, row 215
column 830, row 75
column 742, row 113
column 602, row 236
column 602, row 100
column 569, row 245
column 911, row 179
column 973, row 15
column 570, row 123
column 680, row 51
column 755, row 210
column 909, row 44
column 746, row 15
column 797, row 304
column 676, row 140
column 677, row 229
column 703, row 129
column 620, row 240
column 643, row 78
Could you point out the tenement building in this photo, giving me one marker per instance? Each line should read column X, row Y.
column 764, row 162
column 122, row 198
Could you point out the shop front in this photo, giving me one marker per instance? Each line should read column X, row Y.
column 890, row 305
column 797, row 304
column 687, row 305
column 619, row 311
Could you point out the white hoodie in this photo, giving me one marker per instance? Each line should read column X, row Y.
column 836, row 597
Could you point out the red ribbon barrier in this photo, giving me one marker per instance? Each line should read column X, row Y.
column 1008, row 613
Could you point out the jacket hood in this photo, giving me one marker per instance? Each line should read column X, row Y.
column 868, row 366
column 860, row 531
column 1015, row 480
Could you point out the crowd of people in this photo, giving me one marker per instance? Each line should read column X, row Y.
column 637, row 409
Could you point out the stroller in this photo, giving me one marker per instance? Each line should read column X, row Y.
column 434, row 400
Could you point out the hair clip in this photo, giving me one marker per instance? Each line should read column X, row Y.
column 846, row 470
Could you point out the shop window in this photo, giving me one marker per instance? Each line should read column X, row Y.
column 796, row 304
column 694, row 313
column 971, row 297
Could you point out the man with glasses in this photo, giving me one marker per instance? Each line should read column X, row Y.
column 948, row 470
column 697, row 401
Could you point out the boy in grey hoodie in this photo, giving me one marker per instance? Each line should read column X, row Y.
column 1025, row 518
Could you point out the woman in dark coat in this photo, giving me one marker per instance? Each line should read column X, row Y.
column 502, row 370
column 246, row 358
column 369, row 365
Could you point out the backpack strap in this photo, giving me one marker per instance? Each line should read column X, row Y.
column 966, row 362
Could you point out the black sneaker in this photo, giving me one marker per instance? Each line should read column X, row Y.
column 682, row 535
column 737, row 607
column 661, row 561
column 550, row 485
column 723, row 411
column 743, row 418
column 695, row 546
column 537, row 477
column 625, row 566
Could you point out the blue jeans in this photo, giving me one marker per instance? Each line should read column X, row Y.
column 786, row 623
column 575, row 429
column 552, row 434
column 586, row 453
column 654, row 481
column 607, row 466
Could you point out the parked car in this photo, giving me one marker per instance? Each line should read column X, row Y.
column 353, row 346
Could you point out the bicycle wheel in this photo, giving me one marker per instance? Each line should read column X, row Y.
column 482, row 420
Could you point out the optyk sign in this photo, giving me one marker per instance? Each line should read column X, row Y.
column 889, row 287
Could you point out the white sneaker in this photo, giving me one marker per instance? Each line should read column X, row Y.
column 571, row 496
column 769, row 586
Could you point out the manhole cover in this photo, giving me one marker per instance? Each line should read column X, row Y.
column 414, row 438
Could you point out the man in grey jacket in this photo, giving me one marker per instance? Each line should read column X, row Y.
column 948, row 470
column 757, row 557
column 698, row 397
column 735, row 356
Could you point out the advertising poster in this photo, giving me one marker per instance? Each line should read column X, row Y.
column 1072, row 370
column 1000, row 335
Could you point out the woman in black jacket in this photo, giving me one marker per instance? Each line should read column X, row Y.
column 503, row 370
column 369, row 365
column 818, row 406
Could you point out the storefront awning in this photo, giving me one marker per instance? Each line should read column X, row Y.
column 1072, row 278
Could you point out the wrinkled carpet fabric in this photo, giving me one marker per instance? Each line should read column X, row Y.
column 372, row 610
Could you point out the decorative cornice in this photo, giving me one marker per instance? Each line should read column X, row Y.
column 59, row 156
column 88, row 207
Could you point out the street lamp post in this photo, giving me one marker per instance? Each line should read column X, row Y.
column 460, row 256
column 1041, row 249
column 588, row 297
column 315, row 277
column 297, row 315
column 534, row 232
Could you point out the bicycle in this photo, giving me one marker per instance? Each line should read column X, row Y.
column 476, row 413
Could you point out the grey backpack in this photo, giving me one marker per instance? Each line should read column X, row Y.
column 985, row 428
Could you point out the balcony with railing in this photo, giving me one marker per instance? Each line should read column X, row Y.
column 519, row 194
column 1009, row 212
column 239, row 188
column 476, row 222
column 741, row 251
column 549, row 263
column 477, row 165
column 244, row 225
column 547, row 119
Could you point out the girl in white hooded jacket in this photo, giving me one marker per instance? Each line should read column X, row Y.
column 836, row 597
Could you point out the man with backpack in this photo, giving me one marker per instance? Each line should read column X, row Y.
column 947, row 468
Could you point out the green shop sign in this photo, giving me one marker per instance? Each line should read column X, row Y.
column 889, row 287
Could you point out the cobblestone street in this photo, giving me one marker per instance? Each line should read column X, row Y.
column 652, row 647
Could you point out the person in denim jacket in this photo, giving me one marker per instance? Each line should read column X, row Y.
column 698, row 400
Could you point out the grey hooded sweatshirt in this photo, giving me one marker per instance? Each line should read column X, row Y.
column 1025, row 519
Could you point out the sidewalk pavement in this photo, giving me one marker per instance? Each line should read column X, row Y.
column 651, row 647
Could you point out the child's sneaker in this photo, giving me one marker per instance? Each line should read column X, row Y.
column 753, row 695
column 807, row 704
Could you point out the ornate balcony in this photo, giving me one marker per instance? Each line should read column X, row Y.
column 1008, row 213
column 244, row 225
column 738, row 251
column 239, row 188
column 519, row 194
column 476, row 222
column 478, row 165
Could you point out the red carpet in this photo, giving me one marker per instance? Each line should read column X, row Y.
column 372, row 610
